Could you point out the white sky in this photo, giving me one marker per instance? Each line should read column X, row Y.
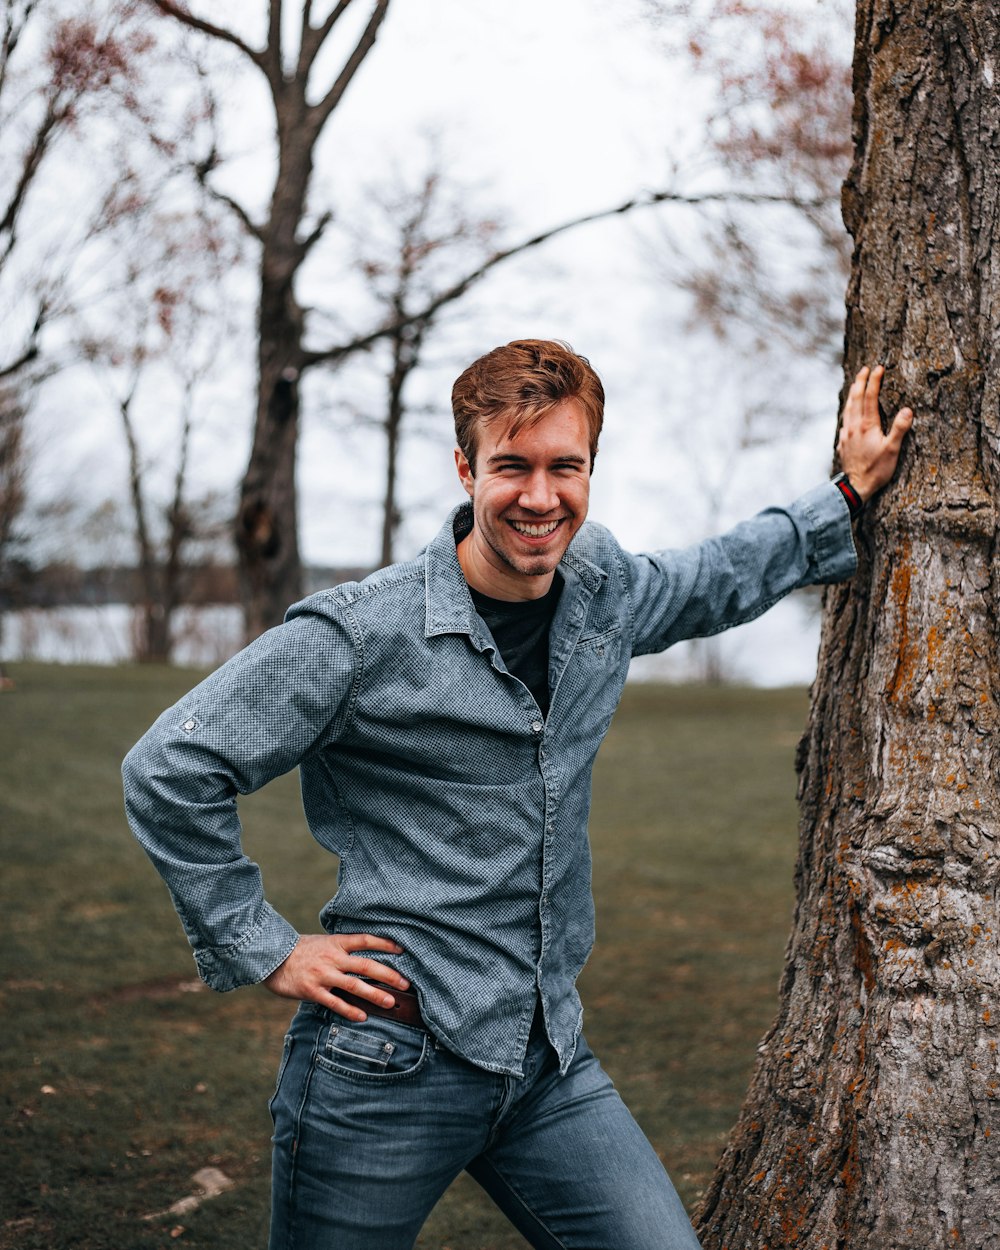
column 549, row 109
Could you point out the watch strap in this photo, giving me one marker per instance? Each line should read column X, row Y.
column 854, row 501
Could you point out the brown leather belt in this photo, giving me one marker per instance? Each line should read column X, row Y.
column 406, row 1008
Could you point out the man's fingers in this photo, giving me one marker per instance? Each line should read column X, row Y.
column 348, row 1010
column 359, row 982
column 899, row 428
column 367, row 941
column 862, row 398
column 354, row 985
column 363, row 989
column 867, row 455
column 869, row 414
column 320, row 964
column 376, row 971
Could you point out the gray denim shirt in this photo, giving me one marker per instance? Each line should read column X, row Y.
column 458, row 812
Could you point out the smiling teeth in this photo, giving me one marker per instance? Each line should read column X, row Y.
column 535, row 531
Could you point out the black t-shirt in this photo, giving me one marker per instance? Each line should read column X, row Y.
column 521, row 632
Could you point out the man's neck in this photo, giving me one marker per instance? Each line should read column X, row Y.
column 498, row 582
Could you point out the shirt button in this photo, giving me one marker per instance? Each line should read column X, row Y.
column 537, row 726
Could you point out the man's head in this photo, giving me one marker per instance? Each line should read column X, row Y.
column 520, row 383
column 527, row 417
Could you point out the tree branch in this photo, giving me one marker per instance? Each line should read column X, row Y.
column 272, row 57
column 170, row 9
column 313, row 37
column 201, row 172
column 32, row 159
column 314, row 236
column 29, row 354
column 31, row 349
column 430, row 310
column 13, row 29
column 252, row 227
column 321, row 111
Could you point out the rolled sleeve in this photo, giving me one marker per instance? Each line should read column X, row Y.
column 255, row 718
column 261, row 949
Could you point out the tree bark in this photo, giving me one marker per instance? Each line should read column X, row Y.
column 872, row 1118
column 267, row 523
column 407, row 343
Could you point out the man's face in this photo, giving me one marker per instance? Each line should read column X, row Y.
column 529, row 496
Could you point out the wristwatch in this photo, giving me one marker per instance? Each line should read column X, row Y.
column 854, row 500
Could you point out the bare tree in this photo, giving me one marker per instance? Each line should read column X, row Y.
column 304, row 93
column 418, row 236
column 783, row 124
column 64, row 68
column 303, row 96
column 871, row 1118
column 58, row 69
column 163, row 323
column 13, row 477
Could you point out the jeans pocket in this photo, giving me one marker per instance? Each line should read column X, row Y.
column 373, row 1050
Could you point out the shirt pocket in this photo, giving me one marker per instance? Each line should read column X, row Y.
column 593, row 679
column 602, row 651
column 373, row 1050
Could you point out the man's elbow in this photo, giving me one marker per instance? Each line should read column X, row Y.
column 136, row 783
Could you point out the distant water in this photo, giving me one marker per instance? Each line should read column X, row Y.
column 778, row 649
column 105, row 635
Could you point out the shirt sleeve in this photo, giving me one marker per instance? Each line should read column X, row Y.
column 732, row 579
column 252, row 720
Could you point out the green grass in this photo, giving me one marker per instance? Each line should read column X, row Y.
column 694, row 842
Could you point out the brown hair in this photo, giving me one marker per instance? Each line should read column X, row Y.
column 522, row 382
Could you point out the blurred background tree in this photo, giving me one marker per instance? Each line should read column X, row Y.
column 338, row 289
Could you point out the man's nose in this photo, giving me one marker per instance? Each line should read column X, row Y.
column 539, row 494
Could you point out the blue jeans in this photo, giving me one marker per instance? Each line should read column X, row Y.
column 373, row 1121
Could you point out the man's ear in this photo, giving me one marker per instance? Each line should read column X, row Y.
column 465, row 474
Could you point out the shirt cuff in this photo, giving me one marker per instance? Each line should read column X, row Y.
column 832, row 533
column 254, row 957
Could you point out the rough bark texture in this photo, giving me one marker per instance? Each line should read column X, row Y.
column 873, row 1117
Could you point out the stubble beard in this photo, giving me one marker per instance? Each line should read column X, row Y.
column 525, row 566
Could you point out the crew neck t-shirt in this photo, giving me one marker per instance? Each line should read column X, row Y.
column 521, row 631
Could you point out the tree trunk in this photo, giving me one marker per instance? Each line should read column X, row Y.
column 267, row 522
column 390, row 507
column 406, row 348
column 872, row 1118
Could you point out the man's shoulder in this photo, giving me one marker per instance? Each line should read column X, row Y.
column 395, row 584
column 596, row 544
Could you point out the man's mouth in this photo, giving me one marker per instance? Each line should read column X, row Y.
column 534, row 530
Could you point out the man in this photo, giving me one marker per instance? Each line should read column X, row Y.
column 445, row 714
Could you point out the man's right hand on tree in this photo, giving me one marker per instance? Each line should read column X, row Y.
column 868, row 456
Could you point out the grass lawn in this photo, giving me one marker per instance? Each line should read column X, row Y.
column 122, row 1077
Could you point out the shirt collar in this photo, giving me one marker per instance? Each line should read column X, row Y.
column 448, row 602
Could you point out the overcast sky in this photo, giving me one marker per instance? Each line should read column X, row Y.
column 547, row 109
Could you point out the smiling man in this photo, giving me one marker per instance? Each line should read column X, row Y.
column 529, row 496
column 445, row 714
